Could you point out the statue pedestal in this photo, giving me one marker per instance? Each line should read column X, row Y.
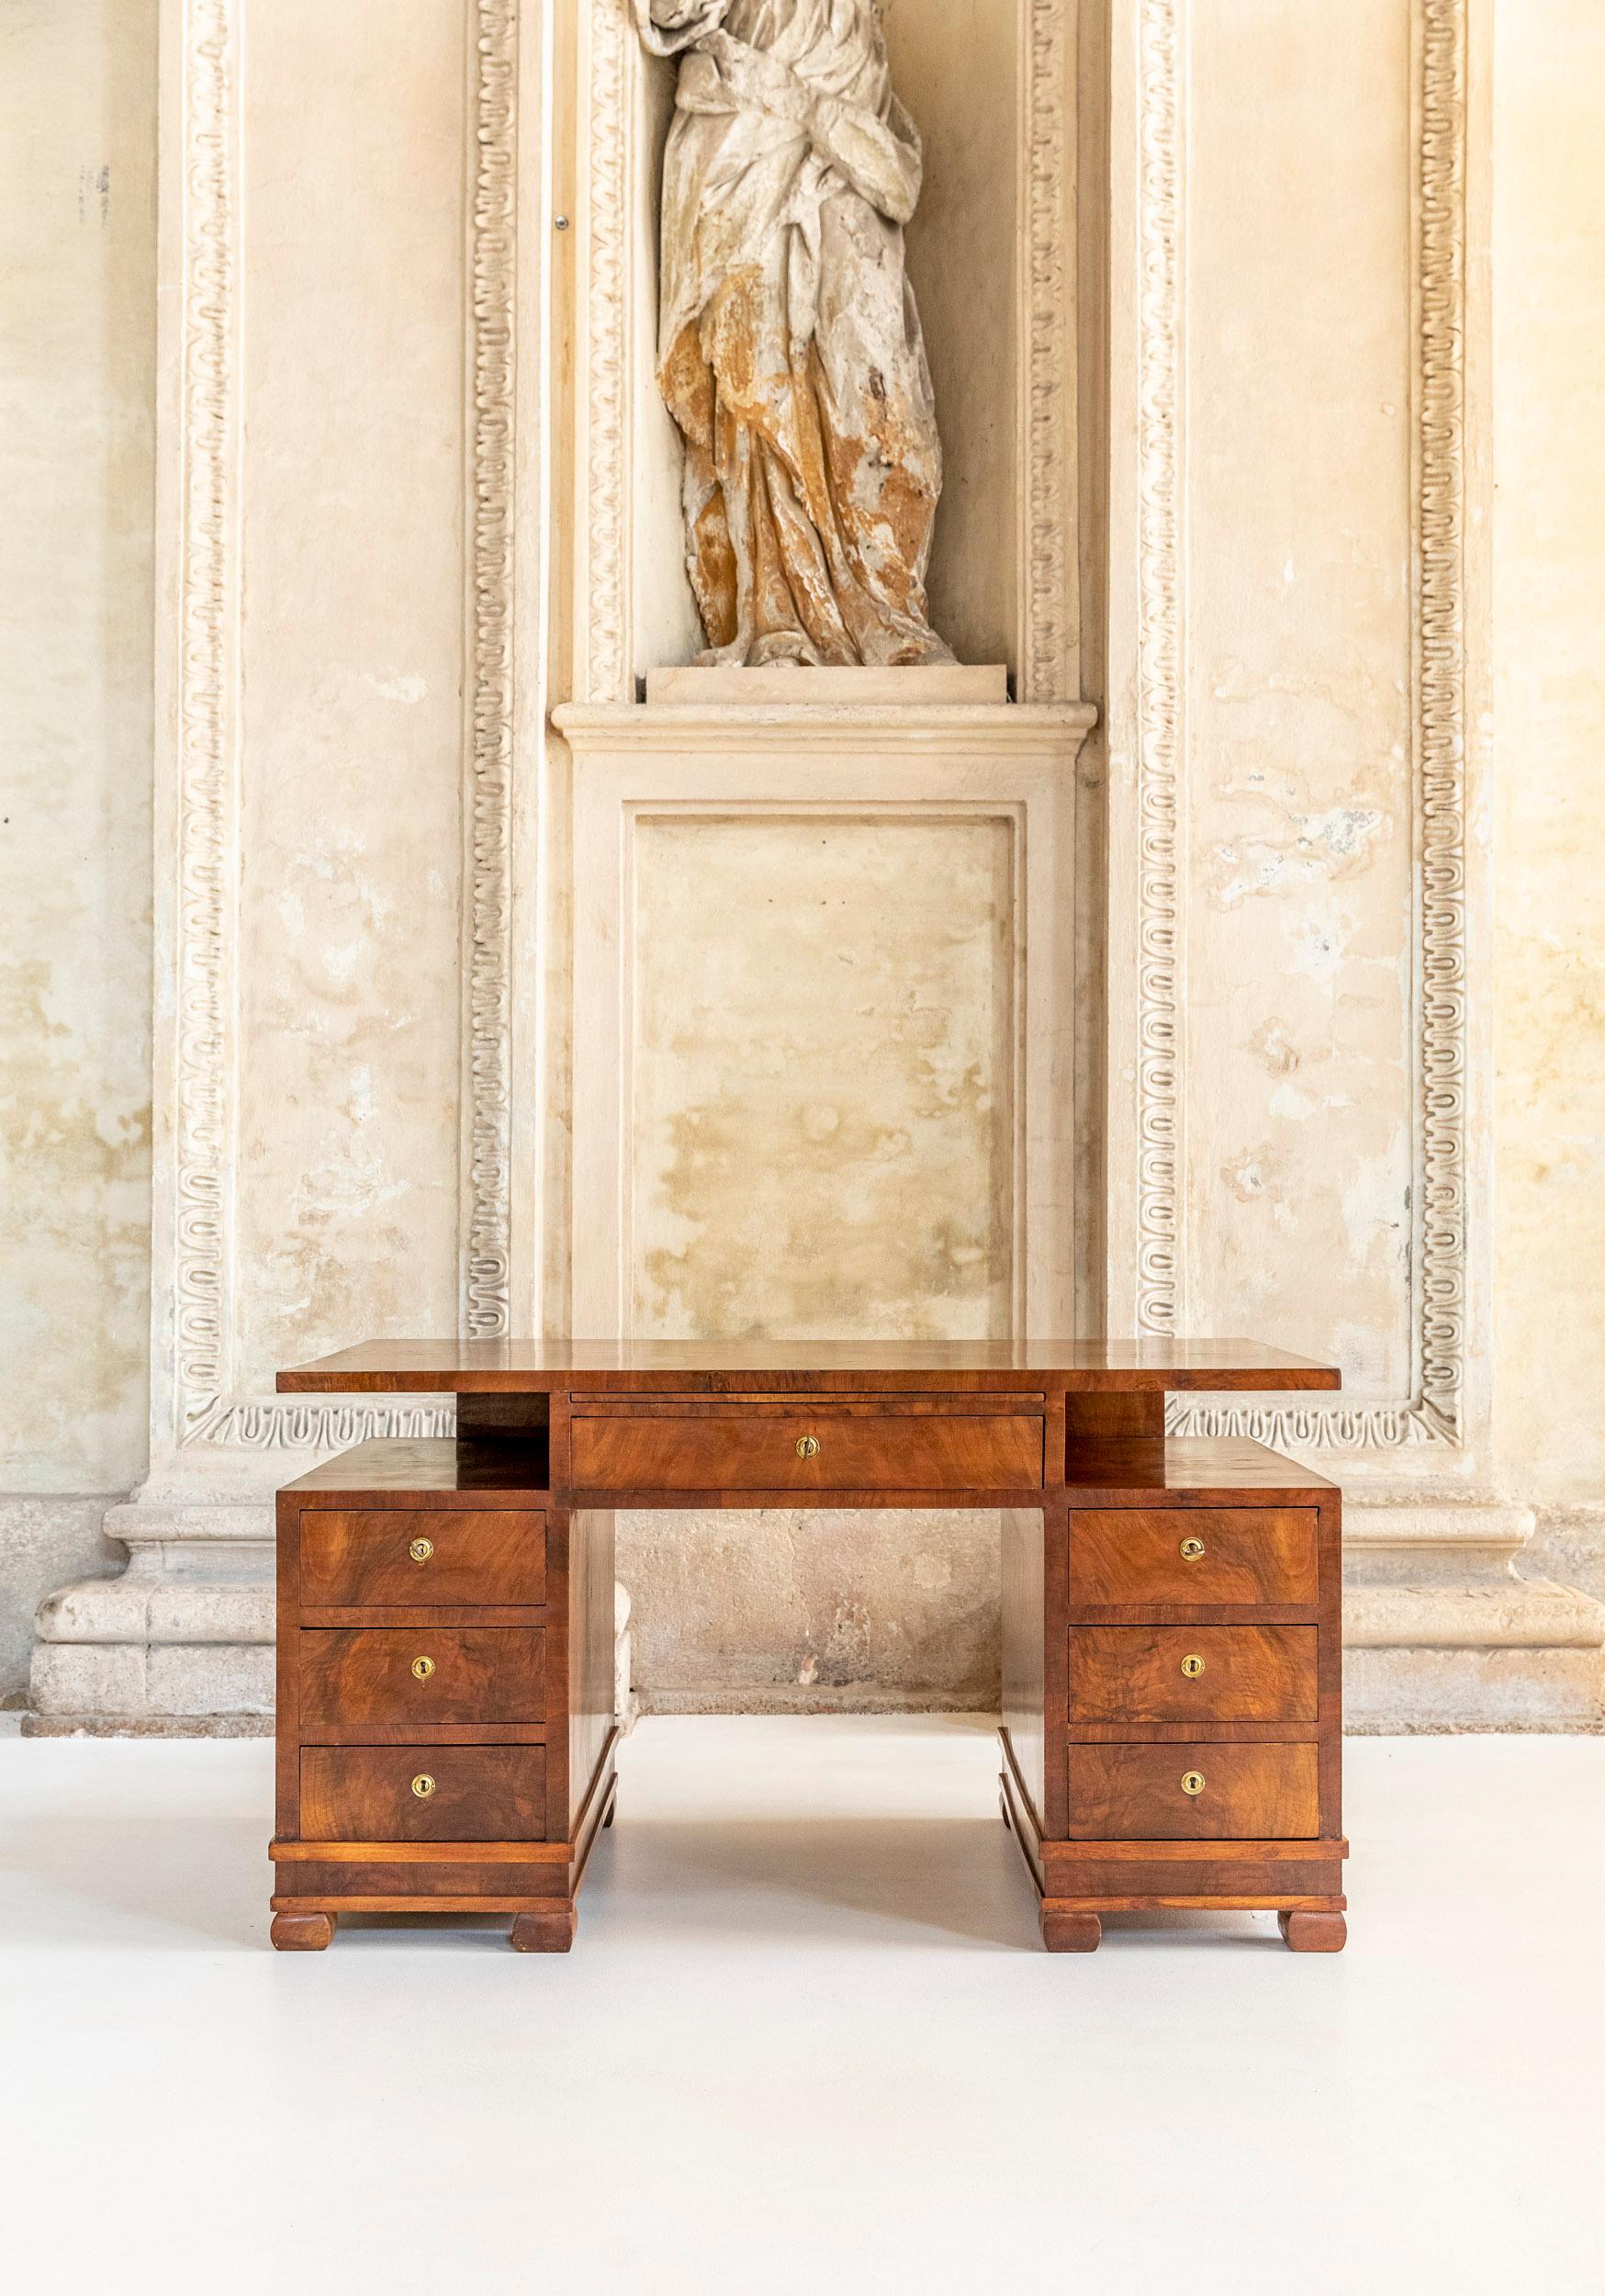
column 824, row 998
column 932, row 685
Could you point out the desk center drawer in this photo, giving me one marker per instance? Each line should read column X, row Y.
column 803, row 1448
column 422, row 1674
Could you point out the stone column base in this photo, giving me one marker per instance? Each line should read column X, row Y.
column 181, row 1645
column 1412, row 1693
column 1444, row 1633
column 103, row 1724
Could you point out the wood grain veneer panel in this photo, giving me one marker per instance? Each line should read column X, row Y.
column 513, row 1366
column 1132, row 1555
column 364, row 1559
column 733, row 1451
column 590, row 1651
column 1139, row 1872
column 1025, row 1649
column 286, row 1672
column 1250, row 1792
column 332, row 1880
column 366, row 1674
column 1147, row 1674
column 366, row 1793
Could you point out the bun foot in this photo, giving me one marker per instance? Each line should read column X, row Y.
column 1070, row 1932
column 543, row 1932
column 303, row 1933
column 1313, row 1932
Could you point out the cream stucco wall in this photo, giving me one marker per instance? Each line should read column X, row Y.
column 351, row 709
column 1297, row 707
column 78, row 423
column 1549, row 821
column 823, row 1119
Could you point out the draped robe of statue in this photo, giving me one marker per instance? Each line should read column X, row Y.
column 790, row 349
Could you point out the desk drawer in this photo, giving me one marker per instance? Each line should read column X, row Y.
column 1255, row 1793
column 1193, row 1674
column 1138, row 1556
column 805, row 1448
column 423, row 1674
column 423, row 1792
column 404, row 1557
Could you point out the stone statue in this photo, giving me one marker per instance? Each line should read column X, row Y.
column 789, row 350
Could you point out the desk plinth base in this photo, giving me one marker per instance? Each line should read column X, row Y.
column 535, row 1882
column 1078, row 1881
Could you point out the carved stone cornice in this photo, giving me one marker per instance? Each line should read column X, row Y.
column 915, row 730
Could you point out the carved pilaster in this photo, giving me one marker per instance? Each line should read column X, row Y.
column 492, row 255
column 1160, row 654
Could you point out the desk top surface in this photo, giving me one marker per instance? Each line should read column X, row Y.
column 508, row 1366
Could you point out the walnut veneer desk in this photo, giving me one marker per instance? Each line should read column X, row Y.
column 1171, row 1613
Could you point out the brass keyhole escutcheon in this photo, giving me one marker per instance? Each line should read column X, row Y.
column 1192, row 1550
column 422, row 1550
column 423, row 1785
column 807, row 1447
column 1192, row 1667
column 423, row 1669
column 1193, row 1782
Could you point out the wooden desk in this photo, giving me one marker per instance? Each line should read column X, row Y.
column 1171, row 1629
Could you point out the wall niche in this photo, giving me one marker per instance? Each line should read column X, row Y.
column 989, row 83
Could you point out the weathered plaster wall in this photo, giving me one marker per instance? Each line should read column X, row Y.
column 352, row 717
column 824, row 1123
column 814, row 1611
column 1549, row 607
column 77, row 393
column 1297, row 725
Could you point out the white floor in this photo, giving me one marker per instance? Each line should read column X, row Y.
column 805, row 2042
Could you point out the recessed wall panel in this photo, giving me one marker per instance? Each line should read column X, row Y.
column 823, row 1076
column 1299, row 1095
column 354, row 135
